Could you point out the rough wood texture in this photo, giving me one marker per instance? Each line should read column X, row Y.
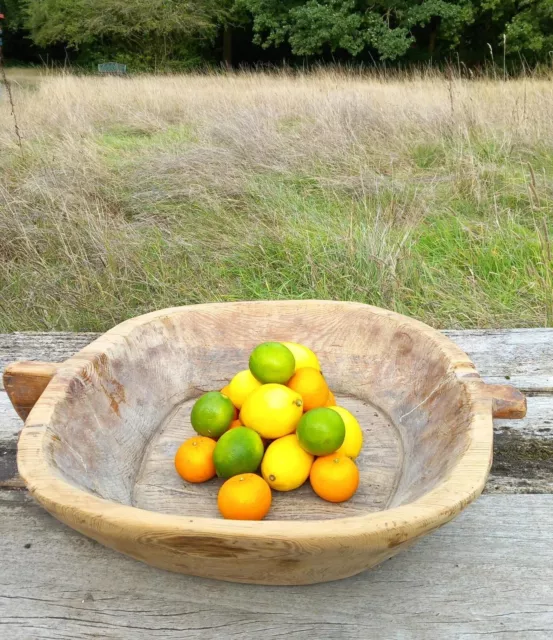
column 49, row 347
column 82, row 448
column 520, row 357
column 490, row 574
column 522, row 460
column 10, row 423
column 25, row 382
column 508, row 403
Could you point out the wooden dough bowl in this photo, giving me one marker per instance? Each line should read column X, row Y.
column 97, row 448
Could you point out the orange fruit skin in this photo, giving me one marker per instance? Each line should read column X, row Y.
column 194, row 459
column 331, row 400
column 334, row 478
column 311, row 386
column 244, row 497
column 224, row 391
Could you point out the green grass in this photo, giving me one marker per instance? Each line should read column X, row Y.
column 113, row 217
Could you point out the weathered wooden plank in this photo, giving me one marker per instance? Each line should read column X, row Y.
column 10, row 422
column 521, row 356
column 488, row 573
column 50, row 347
column 523, row 449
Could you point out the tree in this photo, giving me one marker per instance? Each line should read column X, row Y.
column 13, row 11
column 156, row 27
column 180, row 33
column 527, row 25
column 354, row 25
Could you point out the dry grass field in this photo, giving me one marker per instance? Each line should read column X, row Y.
column 426, row 195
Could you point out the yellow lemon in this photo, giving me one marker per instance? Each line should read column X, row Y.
column 286, row 465
column 303, row 356
column 241, row 386
column 273, row 411
column 351, row 447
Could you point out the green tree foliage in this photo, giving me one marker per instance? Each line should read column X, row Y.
column 13, row 10
column 158, row 28
column 12, row 25
column 527, row 24
column 384, row 26
column 158, row 32
column 80, row 21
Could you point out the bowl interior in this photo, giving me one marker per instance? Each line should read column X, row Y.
column 129, row 394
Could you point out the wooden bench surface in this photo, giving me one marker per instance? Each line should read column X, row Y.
column 488, row 573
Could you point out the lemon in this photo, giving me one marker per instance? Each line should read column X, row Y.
column 212, row 414
column 321, row 431
column 286, row 465
column 273, row 411
column 353, row 441
column 241, row 386
column 272, row 362
column 239, row 450
column 303, row 356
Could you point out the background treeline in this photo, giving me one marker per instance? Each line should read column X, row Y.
column 183, row 34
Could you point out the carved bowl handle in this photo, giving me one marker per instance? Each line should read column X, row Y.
column 25, row 381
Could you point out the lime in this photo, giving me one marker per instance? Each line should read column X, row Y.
column 286, row 464
column 240, row 450
column 212, row 414
column 273, row 411
column 321, row 431
column 303, row 356
column 272, row 362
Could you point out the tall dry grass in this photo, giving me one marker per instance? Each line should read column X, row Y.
column 425, row 194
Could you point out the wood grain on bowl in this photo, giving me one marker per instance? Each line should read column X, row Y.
column 96, row 450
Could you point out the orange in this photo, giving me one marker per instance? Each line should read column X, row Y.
column 225, row 392
column 331, row 400
column 244, row 497
column 311, row 386
column 194, row 459
column 334, row 478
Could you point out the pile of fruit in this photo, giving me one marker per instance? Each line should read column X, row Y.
column 279, row 417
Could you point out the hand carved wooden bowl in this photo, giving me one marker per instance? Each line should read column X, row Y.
column 97, row 448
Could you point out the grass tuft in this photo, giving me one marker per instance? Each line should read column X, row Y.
column 135, row 194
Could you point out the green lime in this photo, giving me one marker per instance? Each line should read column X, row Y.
column 239, row 450
column 272, row 362
column 321, row 431
column 212, row 414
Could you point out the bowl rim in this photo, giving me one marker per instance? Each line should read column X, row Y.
column 464, row 483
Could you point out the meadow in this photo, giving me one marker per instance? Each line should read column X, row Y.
column 426, row 194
